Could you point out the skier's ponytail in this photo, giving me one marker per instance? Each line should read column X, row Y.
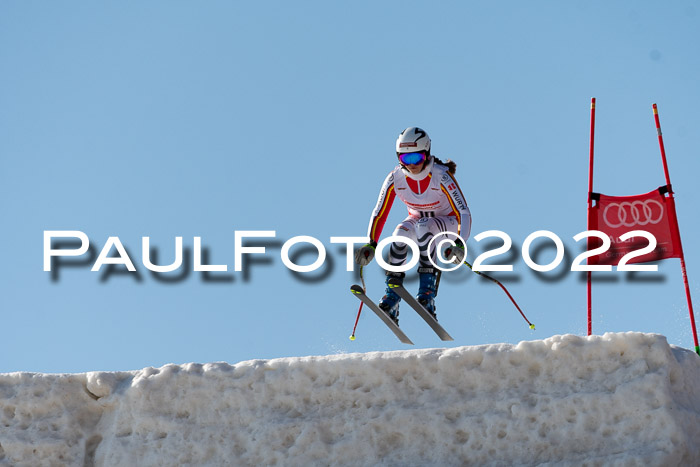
column 450, row 164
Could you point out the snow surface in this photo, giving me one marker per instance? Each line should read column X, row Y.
column 617, row 399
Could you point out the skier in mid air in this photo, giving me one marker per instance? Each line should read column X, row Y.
column 435, row 204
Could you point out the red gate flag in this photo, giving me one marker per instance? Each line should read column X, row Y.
column 615, row 216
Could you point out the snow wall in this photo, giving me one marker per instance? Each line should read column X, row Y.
column 625, row 399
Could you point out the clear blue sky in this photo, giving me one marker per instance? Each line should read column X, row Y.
column 167, row 119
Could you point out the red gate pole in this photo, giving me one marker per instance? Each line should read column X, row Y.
column 680, row 244
column 590, row 206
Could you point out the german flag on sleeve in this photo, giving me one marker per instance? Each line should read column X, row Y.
column 381, row 212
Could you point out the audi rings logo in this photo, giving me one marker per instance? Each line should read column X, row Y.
column 633, row 213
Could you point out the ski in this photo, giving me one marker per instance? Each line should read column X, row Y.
column 408, row 298
column 359, row 293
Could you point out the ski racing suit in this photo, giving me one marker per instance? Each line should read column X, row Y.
column 435, row 204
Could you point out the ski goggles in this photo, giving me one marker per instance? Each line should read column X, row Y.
column 412, row 158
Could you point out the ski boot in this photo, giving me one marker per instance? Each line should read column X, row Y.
column 427, row 290
column 389, row 303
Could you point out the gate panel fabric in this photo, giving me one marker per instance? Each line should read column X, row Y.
column 653, row 212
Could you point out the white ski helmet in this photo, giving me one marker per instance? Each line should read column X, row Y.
column 413, row 139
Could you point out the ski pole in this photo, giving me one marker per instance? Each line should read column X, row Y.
column 532, row 326
column 352, row 336
column 364, row 289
